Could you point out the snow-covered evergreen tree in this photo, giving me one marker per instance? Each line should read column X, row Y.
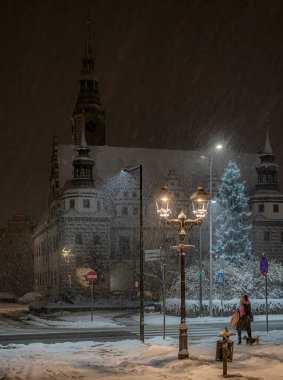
column 233, row 226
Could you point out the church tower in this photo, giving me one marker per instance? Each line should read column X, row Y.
column 267, row 169
column 88, row 107
column 266, row 205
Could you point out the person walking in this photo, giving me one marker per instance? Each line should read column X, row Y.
column 244, row 323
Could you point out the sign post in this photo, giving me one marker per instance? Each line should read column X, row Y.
column 92, row 278
column 220, row 281
column 157, row 255
column 263, row 265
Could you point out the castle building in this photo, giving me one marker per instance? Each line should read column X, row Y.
column 93, row 207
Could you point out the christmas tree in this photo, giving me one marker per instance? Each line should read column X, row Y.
column 233, row 228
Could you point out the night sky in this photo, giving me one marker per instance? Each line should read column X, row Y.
column 172, row 74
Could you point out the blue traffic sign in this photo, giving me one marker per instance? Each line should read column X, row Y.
column 220, row 278
column 263, row 265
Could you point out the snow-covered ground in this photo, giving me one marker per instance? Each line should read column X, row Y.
column 130, row 359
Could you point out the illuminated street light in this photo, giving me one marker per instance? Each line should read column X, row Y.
column 67, row 253
column 141, row 284
column 217, row 147
column 200, row 200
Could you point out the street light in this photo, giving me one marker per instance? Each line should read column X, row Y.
column 141, row 285
column 200, row 200
column 67, row 253
column 217, row 147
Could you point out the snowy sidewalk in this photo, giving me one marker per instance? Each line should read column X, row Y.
column 132, row 360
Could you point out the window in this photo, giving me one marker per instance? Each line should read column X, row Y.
column 276, row 208
column 261, row 207
column 266, row 236
column 281, row 237
column 86, row 203
column 79, row 239
column 134, row 194
column 135, row 211
column 72, row 203
column 98, row 205
column 96, row 239
column 125, row 194
column 124, row 210
column 124, row 246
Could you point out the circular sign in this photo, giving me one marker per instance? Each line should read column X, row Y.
column 263, row 265
column 91, row 276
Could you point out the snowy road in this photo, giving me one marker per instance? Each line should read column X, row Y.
column 59, row 335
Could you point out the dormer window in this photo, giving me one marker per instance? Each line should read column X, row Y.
column 261, row 208
column 86, row 203
column 275, row 208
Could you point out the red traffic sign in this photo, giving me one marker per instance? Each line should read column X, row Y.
column 263, row 265
column 91, row 276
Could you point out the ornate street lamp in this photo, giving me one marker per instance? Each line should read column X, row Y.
column 200, row 200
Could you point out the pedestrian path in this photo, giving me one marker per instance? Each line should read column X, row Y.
column 194, row 332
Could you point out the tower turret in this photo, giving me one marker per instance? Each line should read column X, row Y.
column 267, row 169
column 83, row 165
column 88, row 106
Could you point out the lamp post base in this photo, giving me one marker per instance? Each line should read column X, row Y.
column 183, row 342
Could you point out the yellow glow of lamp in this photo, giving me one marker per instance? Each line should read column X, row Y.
column 163, row 202
column 66, row 253
column 200, row 200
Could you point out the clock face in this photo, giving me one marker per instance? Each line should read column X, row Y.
column 90, row 126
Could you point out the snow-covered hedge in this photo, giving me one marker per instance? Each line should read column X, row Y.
column 238, row 280
column 225, row 308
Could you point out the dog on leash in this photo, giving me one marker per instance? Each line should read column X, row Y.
column 251, row 341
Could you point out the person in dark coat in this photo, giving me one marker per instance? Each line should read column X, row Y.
column 244, row 323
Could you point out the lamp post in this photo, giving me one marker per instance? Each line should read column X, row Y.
column 200, row 270
column 67, row 253
column 218, row 147
column 141, row 284
column 200, row 201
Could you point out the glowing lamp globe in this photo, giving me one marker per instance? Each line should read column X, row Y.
column 200, row 200
column 163, row 203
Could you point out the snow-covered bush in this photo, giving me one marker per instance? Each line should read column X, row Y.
column 222, row 308
column 238, row 280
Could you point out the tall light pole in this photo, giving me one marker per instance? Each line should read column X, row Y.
column 200, row 271
column 200, row 201
column 141, row 284
column 218, row 147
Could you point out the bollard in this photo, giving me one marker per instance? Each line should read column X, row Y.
column 224, row 349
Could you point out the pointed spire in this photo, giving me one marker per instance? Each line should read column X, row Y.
column 88, row 61
column 83, row 139
column 267, row 146
column 88, row 100
column 88, row 44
